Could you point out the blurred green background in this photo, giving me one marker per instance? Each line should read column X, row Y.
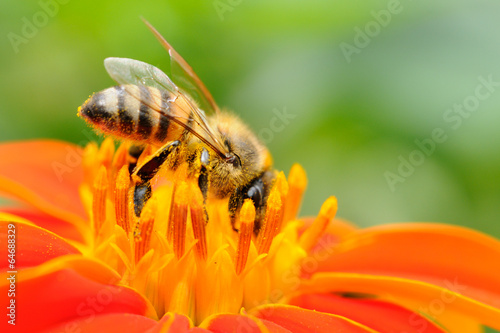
column 354, row 117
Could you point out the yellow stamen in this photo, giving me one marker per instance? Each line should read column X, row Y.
column 99, row 199
column 198, row 221
column 122, row 199
column 297, row 182
column 179, row 175
column 178, row 218
column 90, row 153
column 121, row 157
column 315, row 231
column 282, row 186
column 182, row 297
column 247, row 219
column 144, row 228
column 271, row 221
column 106, row 152
column 213, row 269
column 170, row 225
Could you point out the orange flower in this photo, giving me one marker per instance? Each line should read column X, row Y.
column 83, row 263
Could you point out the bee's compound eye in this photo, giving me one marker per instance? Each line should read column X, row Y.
column 234, row 160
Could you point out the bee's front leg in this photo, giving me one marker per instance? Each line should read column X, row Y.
column 143, row 174
column 203, row 176
column 257, row 190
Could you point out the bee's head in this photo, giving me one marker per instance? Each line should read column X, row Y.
column 245, row 158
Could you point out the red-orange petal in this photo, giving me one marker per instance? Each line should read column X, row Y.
column 233, row 323
column 51, row 223
column 300, row 320
column 274, row 328
column 33, row 245
column 378, row 315
column 112, row 322
column 46, row 174
column 433, row 253
column 429, row 299
column 63, row 295
column 175, row 323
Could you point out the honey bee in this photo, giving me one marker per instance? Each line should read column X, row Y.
column 182, row 122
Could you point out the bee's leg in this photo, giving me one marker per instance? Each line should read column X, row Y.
column 257, row 190
column 203, row 178
column 234, row 205
column 142, row 193
column 146, row 171
column 202, row 168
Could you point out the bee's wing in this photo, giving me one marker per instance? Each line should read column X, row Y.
column 185, row 77
column 133, row 72
column 130, row 71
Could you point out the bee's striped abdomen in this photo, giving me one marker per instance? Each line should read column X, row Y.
column 138, row 113
column 125, row 120
column 164, row 122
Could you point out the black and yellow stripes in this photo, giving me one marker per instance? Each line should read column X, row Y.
column 139, row 113
column 145, row 123
column 125, row 120
column 164, row 122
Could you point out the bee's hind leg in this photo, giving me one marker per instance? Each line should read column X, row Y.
column 143, row 174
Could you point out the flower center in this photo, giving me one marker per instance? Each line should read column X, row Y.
column 182, row 253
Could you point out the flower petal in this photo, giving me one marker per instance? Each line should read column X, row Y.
column 299, row 320
column 274, row 328
column 433, row 253
column 336, row 231
column 45, row 174
column 51, row 223
column 416, row 295
column 223, row 323
column 378, row 315
column 69, row 288
column 112, row 322
column 339, row 228
column 175, row 323
column 33, row 245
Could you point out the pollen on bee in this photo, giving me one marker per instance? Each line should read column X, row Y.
column 99, row 199
column 315, row 231
column 247, row 220
column 271, row 221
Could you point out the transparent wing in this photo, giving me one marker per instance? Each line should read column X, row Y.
column 129, row 71
column 133, row 72
column 185, row 77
